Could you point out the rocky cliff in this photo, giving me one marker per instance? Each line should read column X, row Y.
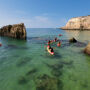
column 17, row 31
column 81, row 23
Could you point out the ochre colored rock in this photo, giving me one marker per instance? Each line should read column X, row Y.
column 17, row 31
column 78, row 23
column 72, row 40
column 87, row 49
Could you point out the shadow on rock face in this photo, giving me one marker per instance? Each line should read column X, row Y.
column 24, row 61
column 46, row 82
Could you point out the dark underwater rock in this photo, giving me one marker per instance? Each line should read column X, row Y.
column 31, row 72
column 22, row 80
column 17, row 31
column 46, row 82
column 24, row 61
column 80, row 44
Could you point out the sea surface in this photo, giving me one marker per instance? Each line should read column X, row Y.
column 26, row 65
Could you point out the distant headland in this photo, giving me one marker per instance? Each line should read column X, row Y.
column 78, row 23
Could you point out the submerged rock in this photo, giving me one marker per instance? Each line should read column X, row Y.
column 17, row 31
column 72, row 40
column 87, row 49
column 46, row 82
column 33, row 71
column 22, row 80
column 78, row 23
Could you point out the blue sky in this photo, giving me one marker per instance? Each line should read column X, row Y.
column 42, row 13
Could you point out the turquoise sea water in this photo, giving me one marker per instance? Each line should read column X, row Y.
column 26, row 65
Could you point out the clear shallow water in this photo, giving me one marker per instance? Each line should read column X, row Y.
column 26, row 65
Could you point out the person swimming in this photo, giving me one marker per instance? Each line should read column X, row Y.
column 48, row 42
column 60, row 35
column 55, row 39
column 59, row 44
column 0, row 44
column 50, row 50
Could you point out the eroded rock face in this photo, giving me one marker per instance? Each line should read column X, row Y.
column 81, row 23
column 17, row 31
column 87, row 49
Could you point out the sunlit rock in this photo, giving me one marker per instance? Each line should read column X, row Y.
column 17, row 31
column 87, row 49
column 80, row 23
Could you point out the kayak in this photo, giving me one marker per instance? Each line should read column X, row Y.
column 52, row 53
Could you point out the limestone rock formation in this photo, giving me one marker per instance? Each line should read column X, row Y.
column 72, row 40
column 17, row 31
column 87, row 49
column 78, row 23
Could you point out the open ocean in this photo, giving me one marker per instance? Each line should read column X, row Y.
column 26, row 65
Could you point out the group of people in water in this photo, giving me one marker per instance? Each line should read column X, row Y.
column 49, row 48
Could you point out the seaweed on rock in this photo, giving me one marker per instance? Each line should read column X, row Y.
column 45, row 82
column 22, row 80
column 31, row 72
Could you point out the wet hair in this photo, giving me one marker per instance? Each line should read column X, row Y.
column 52, row 50
column 49, row 46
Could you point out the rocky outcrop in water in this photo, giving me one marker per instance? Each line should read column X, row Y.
column 87, row 49
column 17, row 31
column 72, row 40
column 78, row 23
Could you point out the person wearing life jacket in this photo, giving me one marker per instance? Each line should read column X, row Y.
column 48, row 46
column 50, row 50
column 49, row 42
column 0, row 44
column 60, row 35
column 55, row 39
column 59, row 44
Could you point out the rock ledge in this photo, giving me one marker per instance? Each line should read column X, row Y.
column 78, row 23
column 17, row 31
